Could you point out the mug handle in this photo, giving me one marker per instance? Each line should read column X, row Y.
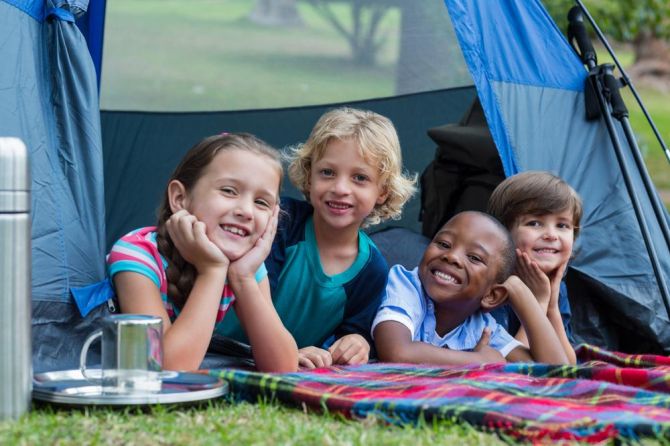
column 84, row 354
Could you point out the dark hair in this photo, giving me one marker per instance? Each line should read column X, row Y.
column 534, row 193
column 508, row 253
column 180, row 274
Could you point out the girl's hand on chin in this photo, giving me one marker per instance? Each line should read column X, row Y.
column 189, row 236
column 248, row 264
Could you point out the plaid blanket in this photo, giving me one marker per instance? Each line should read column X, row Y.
column 607, row 395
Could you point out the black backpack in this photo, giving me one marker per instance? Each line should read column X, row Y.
column 464, row 172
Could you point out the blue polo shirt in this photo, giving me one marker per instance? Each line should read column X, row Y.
column 314, row 307
column 406, row 302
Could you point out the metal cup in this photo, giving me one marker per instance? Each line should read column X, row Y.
column 132, row 354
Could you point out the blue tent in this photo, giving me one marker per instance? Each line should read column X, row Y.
column 528, row 79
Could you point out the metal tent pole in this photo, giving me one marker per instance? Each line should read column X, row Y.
column 602, row 85
column 626, row 79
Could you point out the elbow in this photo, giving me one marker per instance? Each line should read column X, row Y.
column 277, row 360
column 180, row 364
column 286, row 364
column 392, row 354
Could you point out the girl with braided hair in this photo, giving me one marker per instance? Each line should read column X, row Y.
column 215, row 228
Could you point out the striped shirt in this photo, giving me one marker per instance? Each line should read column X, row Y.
column 137, row 252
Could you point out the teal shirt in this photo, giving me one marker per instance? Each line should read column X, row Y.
column 312, row 305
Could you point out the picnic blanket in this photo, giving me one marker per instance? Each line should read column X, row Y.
column 606, row 395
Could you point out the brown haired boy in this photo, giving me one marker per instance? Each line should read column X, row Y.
column 542, row 212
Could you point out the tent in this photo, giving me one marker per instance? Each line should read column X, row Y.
column 98, row 173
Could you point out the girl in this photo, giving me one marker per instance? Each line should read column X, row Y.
column 326, row 274
column 215, row 228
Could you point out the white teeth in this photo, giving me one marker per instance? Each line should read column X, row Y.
column 547, row 251
column 234, row 230
column 338, row 205
column 445, row 276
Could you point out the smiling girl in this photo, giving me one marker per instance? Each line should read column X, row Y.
column 215, row 228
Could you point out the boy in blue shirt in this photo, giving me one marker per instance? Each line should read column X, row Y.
column 438, row 312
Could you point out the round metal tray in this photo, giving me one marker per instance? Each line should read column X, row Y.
column 71, row 388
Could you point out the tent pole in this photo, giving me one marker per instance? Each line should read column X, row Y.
column 626, row 79
column 602, row 84
column 598, row 78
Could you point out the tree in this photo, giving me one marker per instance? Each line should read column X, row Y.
column 362, row 36
column 645, row 24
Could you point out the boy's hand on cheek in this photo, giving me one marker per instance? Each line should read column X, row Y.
column 534, row 278
column 556, row 279
column 314, row 357
column 485, row 352
column 350, row 349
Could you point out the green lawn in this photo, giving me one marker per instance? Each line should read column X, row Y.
column 168, row 55
column 227, row 424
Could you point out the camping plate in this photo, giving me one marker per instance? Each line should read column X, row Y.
column 71, row 388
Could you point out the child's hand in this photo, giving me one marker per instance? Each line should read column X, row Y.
column 555, row 280
column 248, row 264
column 350, row 349
column 189, row 236
column 485, row 352
column 314, row 357
column 534, row 278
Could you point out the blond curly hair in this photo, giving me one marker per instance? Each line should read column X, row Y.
column 379, row 146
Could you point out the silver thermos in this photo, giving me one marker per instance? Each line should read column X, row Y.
column 15, row 297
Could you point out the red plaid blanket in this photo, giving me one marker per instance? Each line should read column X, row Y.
column 607, row 395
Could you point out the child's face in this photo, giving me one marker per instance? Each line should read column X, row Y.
column 343, row 187
column 547, row 239
column 462, row 261
column 235, row 198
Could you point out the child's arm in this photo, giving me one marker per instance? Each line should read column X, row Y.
column 363, row 299
column 272, row 346
column 544, row 345
column 186, row 340
column 546, row 290
column 394, row 344
column 554, row 314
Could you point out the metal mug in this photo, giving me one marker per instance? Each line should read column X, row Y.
column 132, row 354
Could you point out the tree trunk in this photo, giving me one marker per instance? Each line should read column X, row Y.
column 276, row 13
column 652, row 62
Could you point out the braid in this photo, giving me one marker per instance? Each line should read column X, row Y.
column 179, row 273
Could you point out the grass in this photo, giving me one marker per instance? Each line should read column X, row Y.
column 222, row 423
column 212, row 58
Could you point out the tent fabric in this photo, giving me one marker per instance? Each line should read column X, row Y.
column 531, row 88
column 134, row 140
column 92, row 26
column 48, row 98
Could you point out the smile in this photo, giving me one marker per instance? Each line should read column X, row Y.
column 338, row 205
column 546, row 251
column 446, row 277
column 235, row 230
